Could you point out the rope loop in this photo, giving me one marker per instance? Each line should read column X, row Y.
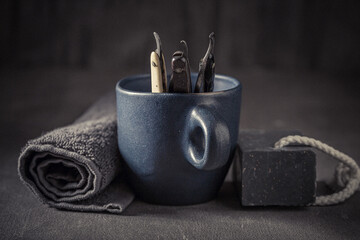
column 347, row 172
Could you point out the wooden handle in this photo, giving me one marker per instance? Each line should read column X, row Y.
column 156, row 77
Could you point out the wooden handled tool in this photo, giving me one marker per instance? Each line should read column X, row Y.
column 158, row 69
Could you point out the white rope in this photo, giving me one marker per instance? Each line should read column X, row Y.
column 347, row 172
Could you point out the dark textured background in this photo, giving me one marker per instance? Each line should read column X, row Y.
column 298, row 60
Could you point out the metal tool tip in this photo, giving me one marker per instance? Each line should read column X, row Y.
column 211, row 44
column 212, row 38
column 212, row 35
column 185, row 47
column 157, row 37
column 158, row 43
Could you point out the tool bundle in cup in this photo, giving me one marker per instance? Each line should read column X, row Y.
column 180, row 80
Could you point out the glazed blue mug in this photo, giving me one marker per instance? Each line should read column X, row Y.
column 177, row 147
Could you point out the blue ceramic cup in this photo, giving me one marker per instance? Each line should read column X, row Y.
column 177, row 147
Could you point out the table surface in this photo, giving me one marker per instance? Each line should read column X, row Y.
column 321, row 106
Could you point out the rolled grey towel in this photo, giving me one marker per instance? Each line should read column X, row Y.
column 78, row 167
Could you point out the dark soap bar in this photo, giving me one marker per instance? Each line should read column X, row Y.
column 265, row 176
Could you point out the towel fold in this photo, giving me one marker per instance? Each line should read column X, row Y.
column 78, row 167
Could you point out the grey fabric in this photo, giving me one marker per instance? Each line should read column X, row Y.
column 78, row 167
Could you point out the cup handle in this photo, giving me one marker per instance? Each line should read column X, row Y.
column 206, row 139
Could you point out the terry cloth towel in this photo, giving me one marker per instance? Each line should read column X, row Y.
column 78, row 167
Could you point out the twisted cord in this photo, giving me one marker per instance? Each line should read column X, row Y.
column 347, row 172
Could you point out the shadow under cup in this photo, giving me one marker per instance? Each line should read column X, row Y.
column 177, row 147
